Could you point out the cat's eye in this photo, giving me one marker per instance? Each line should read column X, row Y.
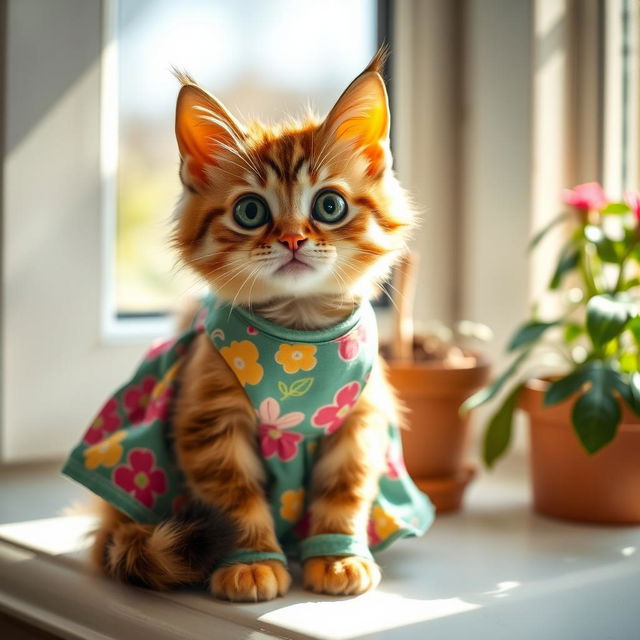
column 329, row 207
column 251, row 212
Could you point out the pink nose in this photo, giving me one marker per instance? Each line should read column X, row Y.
column 292, row 240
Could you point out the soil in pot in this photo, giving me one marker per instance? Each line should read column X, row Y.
column 568, row 482
column 435, row 442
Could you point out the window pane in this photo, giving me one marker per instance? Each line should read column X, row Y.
column 262, row 59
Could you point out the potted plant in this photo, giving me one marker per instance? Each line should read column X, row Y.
column 432, row 375
column 584, row 427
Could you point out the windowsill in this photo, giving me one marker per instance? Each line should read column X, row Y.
column 494, row 569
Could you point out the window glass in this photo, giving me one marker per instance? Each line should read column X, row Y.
column 262, row 59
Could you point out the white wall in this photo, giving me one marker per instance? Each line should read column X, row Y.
column 55, row 370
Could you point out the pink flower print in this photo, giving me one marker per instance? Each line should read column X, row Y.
column 198, row 323
column 349, row 345
column 252, row 331
column 372, row 534
column 331, row 416
column 395, row 463
column 585, row 197
column 274, row 439
column 158, row 408
column 158, row 347
column 140, row 478
column 104, row 423
column 137, row 397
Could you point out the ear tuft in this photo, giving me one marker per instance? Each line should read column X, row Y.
column 203, row 127
column 361, row 116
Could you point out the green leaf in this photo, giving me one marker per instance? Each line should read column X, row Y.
column 528, row 333
column 569, row 260
column 628, row 362
column 300, row 387
column 630, row 284
column 572, row 331
column 608, row 250
column 595, row 418
column 498, row 433
column 543, row 232
column 634, row 327
column 616, row 209
column 561, row 389
column 607, row 316
column 490, row 391
column 629, row 390
column 596, row 413
column 634, row 386
column 283, row 389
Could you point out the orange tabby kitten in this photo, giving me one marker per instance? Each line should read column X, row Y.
column 297, row 272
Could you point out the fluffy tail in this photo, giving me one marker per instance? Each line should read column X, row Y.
column 181, row 550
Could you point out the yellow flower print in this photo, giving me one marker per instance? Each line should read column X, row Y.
column 292, row 502
column 167, row 379
column 385, row 524
column 294, row 357
column 242, row 357
column 106, row 453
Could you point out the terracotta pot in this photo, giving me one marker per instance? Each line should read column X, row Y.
column 436, row 441
column 568, row 482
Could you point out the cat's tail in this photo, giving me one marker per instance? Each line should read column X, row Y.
column 179, row 551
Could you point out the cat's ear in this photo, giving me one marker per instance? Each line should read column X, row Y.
column 361, row 117
column 203, row 129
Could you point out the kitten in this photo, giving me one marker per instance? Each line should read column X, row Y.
column 295, row 227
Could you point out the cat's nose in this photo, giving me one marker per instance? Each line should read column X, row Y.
column 292, row 240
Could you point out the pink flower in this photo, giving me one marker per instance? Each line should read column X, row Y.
column 158, row 347
column 586, row 197
column 331, row 416
column 136, row 399
column 140, row 478
column 274, row 440
column 632, row 198
column 104, row 423
column 349, row 345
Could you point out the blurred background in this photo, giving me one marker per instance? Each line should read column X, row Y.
column 497, row 105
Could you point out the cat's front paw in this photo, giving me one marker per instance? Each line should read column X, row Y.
column 250, row 582
column 340, row 576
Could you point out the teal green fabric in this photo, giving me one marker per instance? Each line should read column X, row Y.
column 302, row 385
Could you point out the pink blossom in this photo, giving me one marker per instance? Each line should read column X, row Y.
column 632, row 198
column 104, row 423
column 331, row 416
column 140, row 478
column 586, row 197
column 136, row 399
column 274, row 439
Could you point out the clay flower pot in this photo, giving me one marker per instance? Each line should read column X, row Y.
column 567, row 482
column 435, row 444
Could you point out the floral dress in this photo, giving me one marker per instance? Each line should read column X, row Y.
column 302, row 385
